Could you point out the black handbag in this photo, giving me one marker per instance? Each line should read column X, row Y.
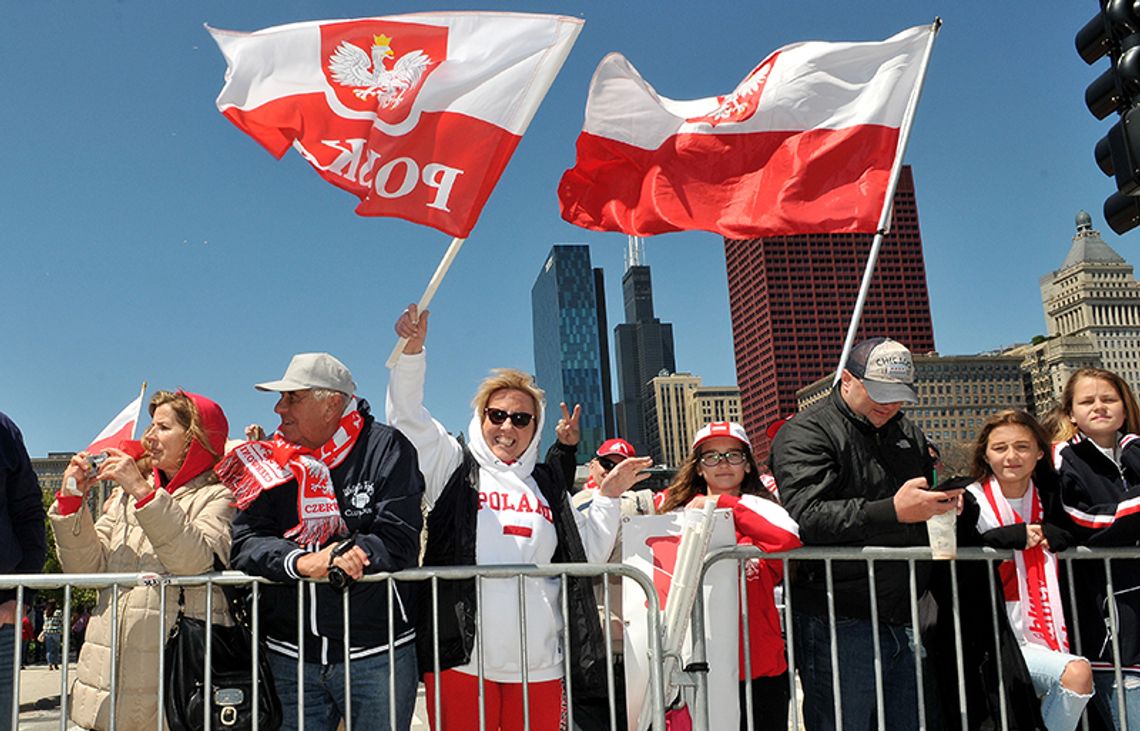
column 231, row 679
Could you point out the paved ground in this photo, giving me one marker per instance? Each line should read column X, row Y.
column 39, row 700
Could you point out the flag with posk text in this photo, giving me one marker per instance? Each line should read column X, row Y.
column 417, row 115
column 804, row 144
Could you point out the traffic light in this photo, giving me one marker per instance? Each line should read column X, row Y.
column 1115, row 32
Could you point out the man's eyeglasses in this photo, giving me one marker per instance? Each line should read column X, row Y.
column 734, row 457
column 520, row 419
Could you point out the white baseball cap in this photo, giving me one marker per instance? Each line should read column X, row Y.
column 313, row 370
column 722, row 429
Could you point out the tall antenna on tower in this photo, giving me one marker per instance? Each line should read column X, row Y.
column 635, row 252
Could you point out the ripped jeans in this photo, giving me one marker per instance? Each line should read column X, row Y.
column 1105, row 683
column 1061, row 708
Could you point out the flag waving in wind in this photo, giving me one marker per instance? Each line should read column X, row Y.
column 121, row 428
column 804, row 144
column 417, row 115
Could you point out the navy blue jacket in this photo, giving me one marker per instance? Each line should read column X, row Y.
column 379, row 489
column 23, row 539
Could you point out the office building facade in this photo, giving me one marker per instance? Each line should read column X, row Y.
column 791, row 300
column 568, row 320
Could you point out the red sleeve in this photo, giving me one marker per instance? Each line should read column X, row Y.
column 68, row 504
column 763, row 521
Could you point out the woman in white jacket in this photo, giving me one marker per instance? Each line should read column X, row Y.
column 491, row 502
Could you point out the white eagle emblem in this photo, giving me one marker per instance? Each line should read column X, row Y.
column 351, row 66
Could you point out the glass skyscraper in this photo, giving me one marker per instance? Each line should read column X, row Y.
column 568, row 311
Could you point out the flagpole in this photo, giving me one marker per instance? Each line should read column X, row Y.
column 135, row 426
column 429, row 292
column 888, row 203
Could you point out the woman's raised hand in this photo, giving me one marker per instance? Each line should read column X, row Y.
column 77, row 469
column 567, row 429
column 120, row 468
column 413, row 325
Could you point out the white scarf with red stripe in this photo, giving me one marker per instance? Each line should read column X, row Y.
column 1032, row 583
column 254, row 467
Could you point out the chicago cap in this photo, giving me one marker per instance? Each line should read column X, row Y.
column 886, row 369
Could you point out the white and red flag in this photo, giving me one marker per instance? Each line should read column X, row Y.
column 417, row 115
column 121, row 428
column 804, row 144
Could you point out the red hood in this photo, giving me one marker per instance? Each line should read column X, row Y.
column 198, row 460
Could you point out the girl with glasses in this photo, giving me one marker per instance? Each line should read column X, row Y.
column 492, row 502
column 721, row 467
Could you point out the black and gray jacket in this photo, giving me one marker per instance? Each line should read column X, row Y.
column 379, row 489
column 1103, row 502
column 838, row 474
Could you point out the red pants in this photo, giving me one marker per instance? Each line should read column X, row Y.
column 459, row 703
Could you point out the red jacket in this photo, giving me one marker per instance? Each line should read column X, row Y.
column 763, row 523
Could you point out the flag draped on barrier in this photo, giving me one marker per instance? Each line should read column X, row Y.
column 804, row 144
column 417, row 115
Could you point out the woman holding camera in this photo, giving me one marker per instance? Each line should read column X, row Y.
column 491, row 502
column 174, row 520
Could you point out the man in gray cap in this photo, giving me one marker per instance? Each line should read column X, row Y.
column 333, row 494
column 854, row 471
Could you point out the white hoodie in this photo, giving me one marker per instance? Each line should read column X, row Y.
column 514, row 527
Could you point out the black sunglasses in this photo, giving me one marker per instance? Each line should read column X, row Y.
column 608, row 464
column 520, row 419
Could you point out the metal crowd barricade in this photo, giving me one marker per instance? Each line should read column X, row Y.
column 429, row 577
column 911, row 556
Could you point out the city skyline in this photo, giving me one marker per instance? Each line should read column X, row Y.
column 148, row 239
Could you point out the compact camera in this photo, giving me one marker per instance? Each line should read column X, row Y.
column 94, row 462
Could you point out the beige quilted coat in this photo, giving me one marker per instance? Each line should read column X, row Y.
column 176, row 534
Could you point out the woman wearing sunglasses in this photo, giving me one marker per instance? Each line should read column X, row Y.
column 492, row 502
column 721, row 467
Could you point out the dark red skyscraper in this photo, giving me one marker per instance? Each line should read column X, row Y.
column 791, row 299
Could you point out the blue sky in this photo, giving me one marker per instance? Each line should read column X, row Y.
column 145, row 238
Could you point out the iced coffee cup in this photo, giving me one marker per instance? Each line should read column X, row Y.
column 943, row 535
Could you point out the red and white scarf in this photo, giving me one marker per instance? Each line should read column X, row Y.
column 1030, row 580
column 254, row 467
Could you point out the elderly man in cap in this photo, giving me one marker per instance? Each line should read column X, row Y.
column 854, row 471
column 333, row 494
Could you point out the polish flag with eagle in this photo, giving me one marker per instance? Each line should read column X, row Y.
column 416, row 115
column 804, row 144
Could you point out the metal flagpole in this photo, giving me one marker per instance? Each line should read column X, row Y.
column 138, row 414
column 429, row 292
column 888, row 203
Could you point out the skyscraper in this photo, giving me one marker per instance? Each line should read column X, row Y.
column 1092, row 302
column 791, row 299
column 569, row 341
column 644, row 348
